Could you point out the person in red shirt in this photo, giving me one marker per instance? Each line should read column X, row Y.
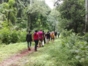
column 36, row 39
column 40, row 34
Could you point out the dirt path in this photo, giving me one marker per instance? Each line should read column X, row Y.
column 13, row 59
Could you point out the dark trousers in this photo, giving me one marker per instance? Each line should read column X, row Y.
column 36, row 44
column 44, row 40
column 29, row 44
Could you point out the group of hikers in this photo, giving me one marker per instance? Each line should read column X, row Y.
column 40, row 38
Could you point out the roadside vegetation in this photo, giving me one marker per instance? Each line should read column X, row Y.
column 19, row 16
column 69, row 50
column 9, row 50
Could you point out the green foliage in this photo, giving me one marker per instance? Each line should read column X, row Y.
column 11, row 2
column 12, row 17
column 5, row 35
column 76, row 49
column 65, row 33
column 28, row 15
column 68, row 50
column 72, row 15
column 21, row 36
column 13, row 36
column 9, row 50
column 9, row 11
column 21, row 23
column 5, row 5
column 5, row 24
column 22, row 14
column 37, row 16
column 85, row 37
column 52, row 20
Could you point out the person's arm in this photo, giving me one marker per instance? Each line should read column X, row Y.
column 26, row 37
column 31, row 36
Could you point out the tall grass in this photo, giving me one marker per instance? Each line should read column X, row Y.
column 10, row 49
column 49, row 55
column 68, row 50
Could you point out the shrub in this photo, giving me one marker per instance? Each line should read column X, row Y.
column 71, row 50
column 85, row 37
column 5, row 35
column 21, row 36
column 14, row 37
column 65, row 33
column 78, row 50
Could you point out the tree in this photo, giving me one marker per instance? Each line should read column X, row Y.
column 72, row 14
column 9, row 11
column 1, row 1
column 37, row 16
column 86, row 16
column 53, row 19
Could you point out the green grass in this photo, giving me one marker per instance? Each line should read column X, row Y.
column 49, row 55
column 10, row 49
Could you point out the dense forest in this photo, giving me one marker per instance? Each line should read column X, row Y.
column 19, row 15
column 67, row 18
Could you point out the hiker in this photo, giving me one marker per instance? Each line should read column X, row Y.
column 29, row 40
column 55, row 34
column 48, row 37
column 44, row 37
column 58, row 33
column 36, row 39
column 40, row 34
column 52, row 36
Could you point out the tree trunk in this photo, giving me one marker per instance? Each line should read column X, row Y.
column 0, row 1
column 29, row 24
column 76, row 27
column 8, row 18
column 86, row 16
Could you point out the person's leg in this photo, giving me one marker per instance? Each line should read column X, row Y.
column 36, row 43
column 44, row 40
column 30, row 43
column 42, row 43
column 47, row 40
column 39, row 43
column 28, row 46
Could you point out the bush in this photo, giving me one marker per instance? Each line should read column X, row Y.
column 65, row 33
column 5, row 35
column 14, row 37
column 21, row 36
column 85, row 37
column 78, row 50
column 71, row 50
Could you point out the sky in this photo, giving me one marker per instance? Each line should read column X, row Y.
column 50, row 3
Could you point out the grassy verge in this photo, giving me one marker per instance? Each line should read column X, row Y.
column 11, row 49
column 49, row 55
column 65, row 51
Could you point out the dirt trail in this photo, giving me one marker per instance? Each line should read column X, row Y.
column 13, row 59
